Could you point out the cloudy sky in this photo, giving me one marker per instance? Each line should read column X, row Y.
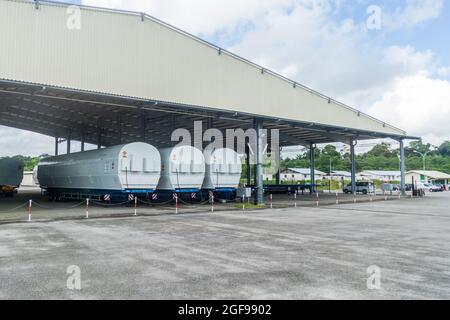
column 396, row 68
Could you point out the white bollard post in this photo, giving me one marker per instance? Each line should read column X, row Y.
column 337, row 198
column 243, row 203
column 87, row 208
column 271, row 201
column 385, row 195
column 135, row 205
column 176, row 203
column 212, row 203
column 317, row 199
column 30, row 209
column 295, row 199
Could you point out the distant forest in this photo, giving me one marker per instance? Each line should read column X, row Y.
column 380, row 157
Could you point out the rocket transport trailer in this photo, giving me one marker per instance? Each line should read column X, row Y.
column 139, row 169
column 223, row 172
column 11, row 175
column 111, row 174
column 182, row 172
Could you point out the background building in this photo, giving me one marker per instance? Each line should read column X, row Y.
column 427, row 177
column 300, row 174
column 340, row 175
column 385, row 176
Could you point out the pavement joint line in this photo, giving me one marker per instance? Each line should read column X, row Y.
column 392, row 212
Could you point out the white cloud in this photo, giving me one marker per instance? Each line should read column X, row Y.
column 335, row 57
column 199, row 16
column 16, row 141
column 419, row 104
column 415, row 12
column 444, row 72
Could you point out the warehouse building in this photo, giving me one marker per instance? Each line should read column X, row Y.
column 425, row 176
column 381, row 175
column 340, row 175
column 301, row 174
column 118, row 77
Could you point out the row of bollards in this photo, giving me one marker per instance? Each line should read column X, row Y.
column 135, row 206
column 212, row 202
column 337, row 201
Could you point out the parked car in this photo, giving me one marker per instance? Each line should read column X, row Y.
column 361, row 187
column 440, row 186
column 428, row 187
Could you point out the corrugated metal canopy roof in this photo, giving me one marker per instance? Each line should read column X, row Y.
column 136, row 78
column 62, row 112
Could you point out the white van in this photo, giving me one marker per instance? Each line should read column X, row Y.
column 361, row 187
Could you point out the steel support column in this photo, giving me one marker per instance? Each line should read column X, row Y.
column 99, row 139
column 83, row 141
column 56, row 146
column 353, row 160
column 247, row 164
column 68, row 144
column 312, row 165
column 278, row 174
column 259, row 183
column 402, row 168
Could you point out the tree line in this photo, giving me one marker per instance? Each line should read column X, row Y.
column 380, row 157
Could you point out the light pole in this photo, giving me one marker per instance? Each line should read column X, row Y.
column 424, row 156
column 331, row 175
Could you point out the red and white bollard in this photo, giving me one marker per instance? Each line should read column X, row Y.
column 295, row 198
column 30, row 209
column 176, row 203
column 135, row 205
column 87, row 208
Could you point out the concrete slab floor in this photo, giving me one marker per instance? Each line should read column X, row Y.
column 303, row 253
